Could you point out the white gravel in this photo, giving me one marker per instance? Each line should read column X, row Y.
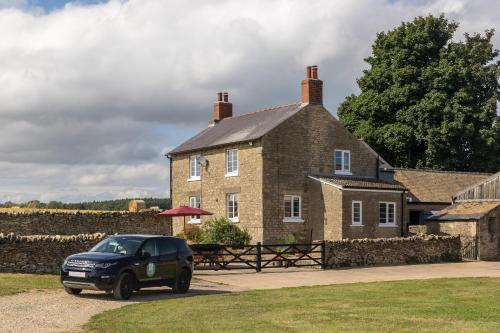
column 55, row 311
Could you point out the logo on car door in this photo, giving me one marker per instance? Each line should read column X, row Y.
column 150, row 269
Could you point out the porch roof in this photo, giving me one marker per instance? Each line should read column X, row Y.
column 354, row 182
column 464, row 211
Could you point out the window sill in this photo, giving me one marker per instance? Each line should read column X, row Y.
column 235, row 220
column 194, row 222
column 357, row 225
column 388, row 225
column 231, row 174
column 343, row 173
column 194, row 179
column 293, row 220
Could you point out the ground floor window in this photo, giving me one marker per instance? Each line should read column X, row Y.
column 232, row 207
column 292, row 208
column 387, row 215
column 195, row 202
column 357, row 215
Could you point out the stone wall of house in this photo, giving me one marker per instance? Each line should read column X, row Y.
column 41, row 253
column 66, row 222
column 370, row 228
column 489, row 236
column 393, row 251
column 301, row 146
column 215, row 185
column 465, row 229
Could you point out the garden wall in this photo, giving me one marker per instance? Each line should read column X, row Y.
column 69, row 222
column 393, row 251
column 41, row 254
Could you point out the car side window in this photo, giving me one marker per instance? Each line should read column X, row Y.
column 167, row 247
column 151, row 246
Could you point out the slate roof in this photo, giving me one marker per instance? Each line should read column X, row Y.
column 464, row 211
column 436, row 186
column 359, row 182
column 241, row 128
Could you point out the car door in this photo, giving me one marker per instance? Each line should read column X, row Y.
column 148, row 267
column 168, row 258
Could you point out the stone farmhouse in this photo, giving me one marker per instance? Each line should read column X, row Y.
column 289, row 170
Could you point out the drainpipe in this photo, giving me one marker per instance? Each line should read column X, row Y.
column 170, row 190
column 402, row 213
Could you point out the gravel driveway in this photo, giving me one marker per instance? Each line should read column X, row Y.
column 55, row 311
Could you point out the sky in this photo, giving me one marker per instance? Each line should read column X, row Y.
column 94, row 93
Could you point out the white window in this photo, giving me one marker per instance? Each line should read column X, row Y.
column 387, row 215
column 195, row 203
column 293, row 208
column 342, row 162
column 194, row 167
column 357, row 213
column 232, row 207
column 232, row 162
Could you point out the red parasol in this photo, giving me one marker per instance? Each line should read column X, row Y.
column 184, row 211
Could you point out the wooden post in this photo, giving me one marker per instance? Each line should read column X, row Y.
column 259, row 257
column 323, row 254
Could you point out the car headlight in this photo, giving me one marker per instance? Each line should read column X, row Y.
column 105, row 264
column 65, row 262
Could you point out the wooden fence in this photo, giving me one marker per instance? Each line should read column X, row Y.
column 258, row 256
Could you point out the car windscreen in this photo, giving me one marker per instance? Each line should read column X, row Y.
column 118, row 245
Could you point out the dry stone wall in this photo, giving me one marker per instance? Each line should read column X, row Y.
column 62, row 222
column 393, row 251
column 41, row 253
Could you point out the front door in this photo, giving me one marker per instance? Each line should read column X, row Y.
column 148, row 268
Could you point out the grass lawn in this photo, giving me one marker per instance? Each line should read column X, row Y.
column 440, row 305
column 17, row 283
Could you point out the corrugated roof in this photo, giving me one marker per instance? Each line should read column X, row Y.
column 464, row 211
column 245, row 127
column 359, row 182
column 436, row 186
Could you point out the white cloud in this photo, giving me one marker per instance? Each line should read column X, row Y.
column 88, row 90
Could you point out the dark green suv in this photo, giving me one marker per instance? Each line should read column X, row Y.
column 124, row 263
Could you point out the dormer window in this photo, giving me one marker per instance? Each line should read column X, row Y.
column 194, row 167
column 342, row 162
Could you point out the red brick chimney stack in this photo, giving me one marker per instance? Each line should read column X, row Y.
column 312, row 87
column 222, row 108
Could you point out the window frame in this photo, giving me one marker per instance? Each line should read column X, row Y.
column 235, row 166
column 387, row 223
column 292, row 208
column 197, row 167
column 195, row 219
column 354, row 223
column 236, row 217
column 343, row 170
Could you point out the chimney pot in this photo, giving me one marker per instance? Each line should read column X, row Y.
column 222, row 108
column 312, row 87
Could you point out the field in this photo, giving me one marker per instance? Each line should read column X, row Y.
column 441, row 305
column 17, row 283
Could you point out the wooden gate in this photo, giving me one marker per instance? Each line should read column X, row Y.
column 258, row 256
column 469, row 250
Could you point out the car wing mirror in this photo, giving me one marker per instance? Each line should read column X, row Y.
column 145, row 255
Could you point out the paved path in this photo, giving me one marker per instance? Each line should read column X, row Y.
column 44, row 311
column 279, row 278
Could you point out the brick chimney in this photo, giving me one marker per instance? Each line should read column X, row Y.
column 312, row 87
column 222, row 108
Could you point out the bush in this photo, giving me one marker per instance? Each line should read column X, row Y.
column 222, row 231
column 192, row 234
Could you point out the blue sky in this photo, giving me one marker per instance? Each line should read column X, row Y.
column 93, row 96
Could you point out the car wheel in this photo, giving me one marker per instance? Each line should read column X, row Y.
column 72, row 291
column 182, row 282
column 124, row 287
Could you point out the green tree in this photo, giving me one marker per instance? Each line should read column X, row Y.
column 221, row 230
column 428, row 101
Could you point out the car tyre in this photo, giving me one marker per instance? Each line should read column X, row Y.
column 72, row 291
column 182, row 282
column 124, row 287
